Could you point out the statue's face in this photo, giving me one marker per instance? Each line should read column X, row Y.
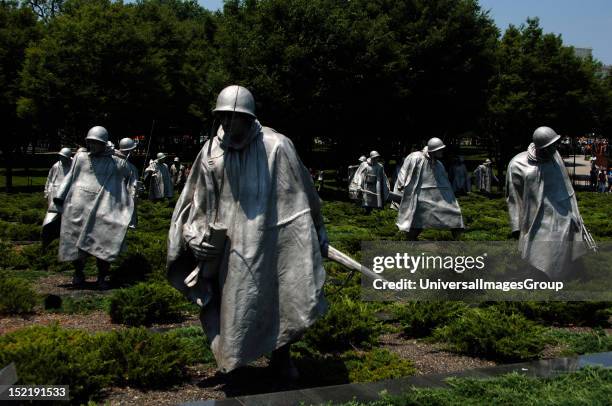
column 236, row 125
column 549, row 151
column 95, row 147
column 438, row 154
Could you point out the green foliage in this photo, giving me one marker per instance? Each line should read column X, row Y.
column 491, row 334
column 19, row 232
column 350, row 366
column 589, row 386
column 376, row 365
column 83, row 305
column 146, row 303
column 533, row 69
column 194, row 344
column 560, row 313
column 418, row 319
column 347, row 324
column 88, row 363
column 10, row 258
column 144, row 359
column 54, row 356
column 16, row 295
column 582, row 342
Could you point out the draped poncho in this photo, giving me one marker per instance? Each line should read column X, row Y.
column 542, row 206
column 97, row 204
column 428, row 200
column 270, row 278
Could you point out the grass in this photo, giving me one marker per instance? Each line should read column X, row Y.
column 347, row 225
column 583, row 342
column 592, row 386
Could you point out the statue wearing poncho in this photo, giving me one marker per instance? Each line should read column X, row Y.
column 161, row 181
column 428, row 200
column 270, row 279
column 371, row 183
column 96, row 200
column 56, row 176
column 543, row 211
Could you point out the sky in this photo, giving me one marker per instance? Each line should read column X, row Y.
column 581, row 23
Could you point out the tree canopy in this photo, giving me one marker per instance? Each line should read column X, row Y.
column 355, row 74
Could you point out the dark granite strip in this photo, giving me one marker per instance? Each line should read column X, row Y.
column 370, row 391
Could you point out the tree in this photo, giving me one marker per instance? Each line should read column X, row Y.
column 120, row 66
column 361, row 73
column 540, row 81
column 45, row 9
column 18, row 28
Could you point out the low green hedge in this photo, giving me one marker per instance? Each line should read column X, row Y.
column 418, row 319
column 348, row 324
column 350, row 366
column 144, row 359
column 54, row 356
column 489, row 333
column 147, row 303
column 16, row 295
column 88, row 363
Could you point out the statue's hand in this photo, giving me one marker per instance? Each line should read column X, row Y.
column 204, row 251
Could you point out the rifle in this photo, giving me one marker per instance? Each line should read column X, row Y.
column 589, row 241
column 350, row 263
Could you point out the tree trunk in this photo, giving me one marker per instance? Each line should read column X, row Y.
column 8, row 173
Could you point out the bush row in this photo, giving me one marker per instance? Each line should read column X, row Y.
column 88, row 363
column 16, row 295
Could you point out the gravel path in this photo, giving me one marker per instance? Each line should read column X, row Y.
column 429, row 358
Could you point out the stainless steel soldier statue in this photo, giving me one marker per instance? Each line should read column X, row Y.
column 428, row 200
column 248, row 223
column 177, row 170
column 542, row 205
column 160, row 179
column 57, row 173
column 96, row 202
column 126, row 146
column 484, row 175
column 371, row 180
column 352, row 170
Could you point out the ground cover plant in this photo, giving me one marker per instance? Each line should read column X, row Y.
column 90, row 362
column 589, row 386
column 345, row 343
column 488, row 333
column 147, row 303
column 16, row 295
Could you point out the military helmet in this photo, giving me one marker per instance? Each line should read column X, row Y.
column 176, row 159
column 544, row 136
column 65, row 152
column 127, row 144
column 374, row 154
column 161, row 155
column 97, row 133
column 487, row 161
column 236, row 99
column 363, row 158
column 435, row 144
